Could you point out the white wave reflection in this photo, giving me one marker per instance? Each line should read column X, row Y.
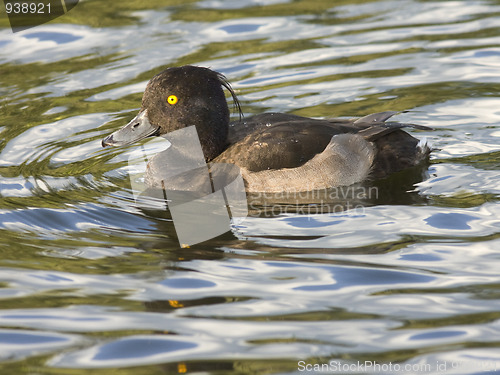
column 460, row 361
column 372, row 225
column 272, row 28
column 236, row 4
column 353, row 284
column 37, row 142
column 455, row 179
column 209, row 338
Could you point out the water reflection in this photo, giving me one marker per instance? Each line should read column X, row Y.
column 18, row 344
column 91, row 281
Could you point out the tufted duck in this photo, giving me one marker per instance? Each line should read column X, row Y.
column 275, row 152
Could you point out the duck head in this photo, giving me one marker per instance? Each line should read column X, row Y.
column 177, row 98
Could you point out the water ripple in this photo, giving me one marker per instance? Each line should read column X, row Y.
column 89, row 280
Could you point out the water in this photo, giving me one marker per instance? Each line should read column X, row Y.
column 409, row 281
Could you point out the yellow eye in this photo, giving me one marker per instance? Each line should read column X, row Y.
column 172, row 99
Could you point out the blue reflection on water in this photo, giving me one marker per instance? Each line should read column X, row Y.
column 487, row 53
column 73, row 219
column 351, row 276
column 26, row 338
column 436, row 335
column 53, row 317
column 50, row 277
column 243, row 28
column 450, row 220
column 59, row 38
column 139, row 348
column 185, row 282
column 420, row 257
column 309, row 222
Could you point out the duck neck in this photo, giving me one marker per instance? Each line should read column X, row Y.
column 213, row 140
column 212, row 126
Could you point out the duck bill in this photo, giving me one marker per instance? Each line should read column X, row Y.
column 137, row 129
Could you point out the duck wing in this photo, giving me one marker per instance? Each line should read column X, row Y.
column 276, row 140
column 375, row 126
